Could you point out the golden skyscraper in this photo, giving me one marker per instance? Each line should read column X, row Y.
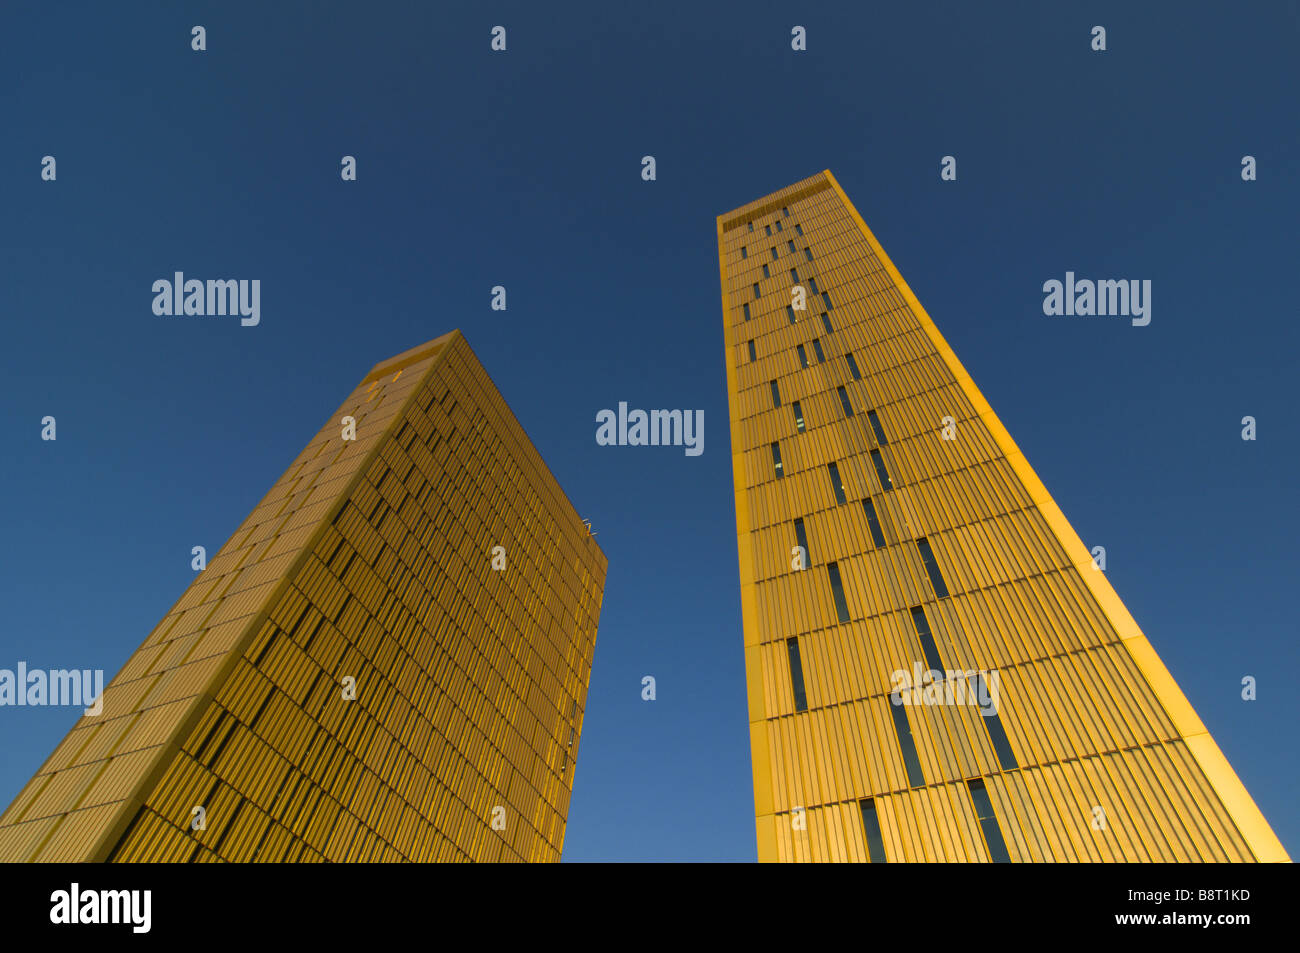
column 388, row 660
column 888, row 527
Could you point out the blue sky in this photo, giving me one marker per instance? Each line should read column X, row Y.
column 523, row 169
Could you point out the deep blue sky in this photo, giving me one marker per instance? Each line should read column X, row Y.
column 523, row 169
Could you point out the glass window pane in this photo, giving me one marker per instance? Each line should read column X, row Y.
column 836, row 485
column 796, row 675
column 837, row 592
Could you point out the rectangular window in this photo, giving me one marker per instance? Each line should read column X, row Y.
column 807, row 252
column 798, row 416
column 837, row 591
column 791, row 244
column 796, row 675
column 853, row 367
column 773, row 250
column 752, row 355
column 794, row 276
column 746, row 312
column 915, row 777
column 834, row 470
column 813, row 284
column 766, row 273
column 798, row 229
column 785, row 212
column 776, row 394
column 844, row 402
column 871, row 828
column 751, row 226
column 769, row 229
column 778, row 226
column 1001, row 744
column 988, row 822
column 932, row 567
column 789, row 310
column 922, row 626
column 803, row 355
column 886, row 484
column 873, row 523
column 826, row 323
column 757, row 294
column 817, row 349
column 776, row 460
column 744, row 252
column 875, row 426
column 802, row 538
column 826, row 300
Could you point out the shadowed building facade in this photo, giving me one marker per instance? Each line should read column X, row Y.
column 359, row 674
column 888, row 527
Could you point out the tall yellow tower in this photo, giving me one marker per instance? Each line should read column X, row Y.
column 935, row 669
column 387, row 661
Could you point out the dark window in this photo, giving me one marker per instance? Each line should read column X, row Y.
column 746, row 312
column 873, row 524
column 796, row 675
column 791, row 244
column 776, row 460
column 798, row 229
column 885, row 483
column 844, row 402
column 837, row 591
column 817, row 349
column 807, row 252
column 776, row 394
column 757, row 293
column 766, row 273
column 922, row 626
column 1001, row 744
column 798, row 416
column 813, row 283
column 751, row 226
column 826, row 323
column 744, row 252
column 752, row 355
column 875, row 425
column 785, row 212
column 778, row 226
column 803, row 355
column 871, row 827
column 789, row 310
column 932, row 567
column 826, row 300
column 915, row 777
column 836, row 484
column 853, row 367
column 769, row 229
column 794, row 276
column 988, row 822
column 802, row 538
column 773, row 250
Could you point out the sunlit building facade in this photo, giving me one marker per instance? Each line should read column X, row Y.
column 387, row 661
column 935, row 669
